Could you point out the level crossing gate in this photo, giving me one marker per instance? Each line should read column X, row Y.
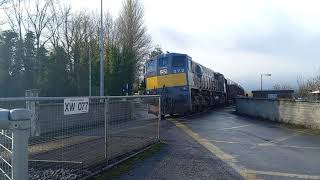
column 73, row 137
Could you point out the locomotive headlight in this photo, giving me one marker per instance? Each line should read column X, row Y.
column 163, row 71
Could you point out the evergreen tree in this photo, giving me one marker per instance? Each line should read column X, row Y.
column 30, row 64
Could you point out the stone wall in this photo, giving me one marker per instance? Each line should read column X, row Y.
column 288, row 111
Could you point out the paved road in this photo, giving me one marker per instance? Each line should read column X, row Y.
column 257, row 149
column 182, row 158
column 222, row 145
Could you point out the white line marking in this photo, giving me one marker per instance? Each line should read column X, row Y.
column 270, row 173
column 228, row 142
column 236, row 127
column 229, row 159
column 275, row 141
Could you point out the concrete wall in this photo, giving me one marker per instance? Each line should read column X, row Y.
column 288, row 111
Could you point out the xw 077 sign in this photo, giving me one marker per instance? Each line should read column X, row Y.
column 76, row 106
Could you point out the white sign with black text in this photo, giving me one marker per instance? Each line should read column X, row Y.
column 75, row 106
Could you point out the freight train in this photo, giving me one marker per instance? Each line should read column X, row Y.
column 186, row 86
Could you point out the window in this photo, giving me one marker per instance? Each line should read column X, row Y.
column 198, row 71
column 194, row 67
column 179, row 61
column 190, row 66
column 163, row 62
column 151, row 66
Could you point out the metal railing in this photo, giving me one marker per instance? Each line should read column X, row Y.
column 14, row 143
column 75, row 146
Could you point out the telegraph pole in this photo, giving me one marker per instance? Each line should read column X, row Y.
column 89, row 70
column 261, row 82
column 101, row 55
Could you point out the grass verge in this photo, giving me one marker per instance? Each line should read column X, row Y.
column 116, row 171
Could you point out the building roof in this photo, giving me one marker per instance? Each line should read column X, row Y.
column 273, row 91
column 315, row 92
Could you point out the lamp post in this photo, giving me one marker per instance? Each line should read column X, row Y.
column 261, row 78
column 101, row 55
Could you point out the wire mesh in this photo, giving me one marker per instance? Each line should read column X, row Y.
column 66, row 145
column 5, row 154
column 132, row 124
column 73, row 146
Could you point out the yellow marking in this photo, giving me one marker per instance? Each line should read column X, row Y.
column 236, row 127
column 248, row 175
column 229, row 159
column 204, row 142
column 169, row 80
column 270, row 173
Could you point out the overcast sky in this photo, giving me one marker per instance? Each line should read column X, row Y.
column 238, row 38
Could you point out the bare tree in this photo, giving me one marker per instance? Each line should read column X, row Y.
column 39, row 18
column 66, row 36
column 3, row 2
column 15, row 15
column 55, row 24
column 283, row 86
column 306, row 86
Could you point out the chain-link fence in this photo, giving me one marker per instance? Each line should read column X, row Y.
column 76, row 145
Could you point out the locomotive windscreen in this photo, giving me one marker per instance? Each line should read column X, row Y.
column 178, row 61
column 163, row 62
column 151, row 66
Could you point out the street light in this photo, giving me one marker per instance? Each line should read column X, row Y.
column 101, row 55
column 261, row 78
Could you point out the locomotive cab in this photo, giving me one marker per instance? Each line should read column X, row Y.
column 166, row 75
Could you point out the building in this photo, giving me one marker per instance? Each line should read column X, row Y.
column 315, row 95
column 273, row 94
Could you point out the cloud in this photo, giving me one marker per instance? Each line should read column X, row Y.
column 240, row 39
column 175, row 38
column 285, row 39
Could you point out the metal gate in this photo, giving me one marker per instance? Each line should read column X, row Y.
column 76, row 146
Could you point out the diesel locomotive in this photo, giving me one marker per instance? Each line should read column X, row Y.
column 185, row 85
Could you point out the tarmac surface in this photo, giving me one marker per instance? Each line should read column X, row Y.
column 182, row 158
column 222, row 145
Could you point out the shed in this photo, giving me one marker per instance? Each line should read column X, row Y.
column 273, row 94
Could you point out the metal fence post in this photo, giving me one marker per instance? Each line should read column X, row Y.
column 106, row 114
column 33, row 107
column 159, row 118
column 20, row 125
